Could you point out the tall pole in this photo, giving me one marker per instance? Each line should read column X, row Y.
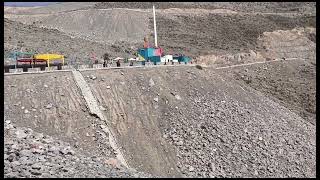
column 155, row 27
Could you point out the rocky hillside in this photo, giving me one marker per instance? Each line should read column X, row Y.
column 194, row 29
column 202, row 125
column 31, row 38
column 266, row 7
column 29, row 154
column 221, row 33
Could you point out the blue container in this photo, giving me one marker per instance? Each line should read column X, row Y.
column 184, row 59
column 150, row 52
column 146, row 53
column 155, row 59
column 143, row 53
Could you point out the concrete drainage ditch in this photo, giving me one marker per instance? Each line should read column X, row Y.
column 93, row 107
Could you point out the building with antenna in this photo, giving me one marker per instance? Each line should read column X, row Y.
column 154, row 54
column 149, row 53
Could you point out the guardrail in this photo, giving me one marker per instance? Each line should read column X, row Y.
column 100, row 67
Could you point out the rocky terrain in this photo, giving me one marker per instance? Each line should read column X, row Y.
column 30, row 154
column 221, row 33
column 225, row 119
column 208, row 120
column 26, row 37
column 264, row 7
column 295, row 89
column 194, row 29
column 54, row 8
column 103, row 25
column 198, row 127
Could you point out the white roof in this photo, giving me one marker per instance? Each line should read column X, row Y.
column 118, row 58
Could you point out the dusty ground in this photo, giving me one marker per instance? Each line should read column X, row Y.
column 195, row 128
column 294, row 43
column 221, row 33
column 26, row 37
column 43, row 103
column 29, row 154
column 54, row 8
column 103, row 25
column 250, row 121
column 295, row 89
column 216, row 122
column 195, row 29
column 265, row 7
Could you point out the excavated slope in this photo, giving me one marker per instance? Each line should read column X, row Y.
column 105, row 26
column 30, row 38
column 266, row 7
column 169, row 121
column 52, row 104
column 181, row 121
column 54, row 8
column 293, row 83
column 221, row 29
column 224, row 33
column 295, row 43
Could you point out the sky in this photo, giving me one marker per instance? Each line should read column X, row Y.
column 28, row 4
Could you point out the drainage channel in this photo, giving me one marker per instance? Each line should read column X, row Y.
column 94, row 109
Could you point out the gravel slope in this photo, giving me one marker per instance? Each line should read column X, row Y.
column 293, row 83
column 42, row 40
column 193, row 34
column 103, row 25
column 237, row 6
column 29, row 154
column 207, row 125
column 221, row 33
column 54, row 8
column 43, row 103
column 215, row 126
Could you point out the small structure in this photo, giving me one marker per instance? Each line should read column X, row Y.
column 168, row 58
column 182, row 58
column 23, row 60
column 50, row 58
column 150, row 54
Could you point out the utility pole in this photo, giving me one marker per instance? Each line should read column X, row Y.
column 155, row 27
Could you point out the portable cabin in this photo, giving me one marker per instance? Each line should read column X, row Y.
column 185, row 59
column 168, row 58
column 150, row 54
column 182, row 59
